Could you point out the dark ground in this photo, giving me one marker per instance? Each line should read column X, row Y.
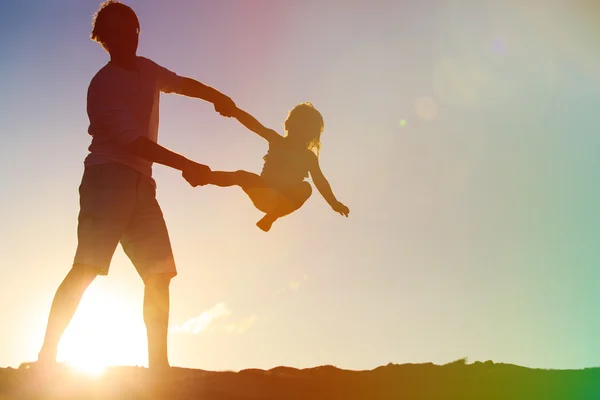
column 457, row 380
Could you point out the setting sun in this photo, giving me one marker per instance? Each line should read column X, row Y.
column 106, row 330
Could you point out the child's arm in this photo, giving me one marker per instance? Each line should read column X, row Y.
column 252, row 123
column 324, row 188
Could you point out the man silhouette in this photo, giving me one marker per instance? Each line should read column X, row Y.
column 117, row 192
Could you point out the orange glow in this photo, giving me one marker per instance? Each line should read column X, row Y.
column 106, row 330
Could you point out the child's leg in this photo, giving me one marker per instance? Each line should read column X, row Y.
column 251, row 183
column 244, row 179
column 293, row 199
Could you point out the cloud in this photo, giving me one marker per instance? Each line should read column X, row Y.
column 293, row 285
column 242, row 326
column 203, row 321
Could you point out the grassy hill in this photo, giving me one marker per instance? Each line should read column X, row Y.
column 456, row 380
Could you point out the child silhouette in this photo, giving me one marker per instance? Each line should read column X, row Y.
column 280, row 189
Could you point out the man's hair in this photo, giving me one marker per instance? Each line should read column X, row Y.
column 109, row 9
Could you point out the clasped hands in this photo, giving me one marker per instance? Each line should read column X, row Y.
column 225, row 106
column 196, row 174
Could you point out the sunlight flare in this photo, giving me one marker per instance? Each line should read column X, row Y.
column 106, row 330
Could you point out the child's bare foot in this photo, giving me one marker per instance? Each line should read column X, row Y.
column 266, row 222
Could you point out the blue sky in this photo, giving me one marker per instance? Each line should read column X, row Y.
column 473, row 225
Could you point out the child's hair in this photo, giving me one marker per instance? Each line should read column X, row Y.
column 304, row 122
column 108, row 9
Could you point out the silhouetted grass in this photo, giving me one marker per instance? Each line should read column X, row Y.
column 456, row 380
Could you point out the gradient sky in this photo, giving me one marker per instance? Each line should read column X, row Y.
column 462, row 135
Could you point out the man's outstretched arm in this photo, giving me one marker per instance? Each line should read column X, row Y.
column 170, row 82
column 223, row 104
column 195, row 173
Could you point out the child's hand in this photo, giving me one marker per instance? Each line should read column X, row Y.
column 196, row 174
column 341, row 209
column 225, row 106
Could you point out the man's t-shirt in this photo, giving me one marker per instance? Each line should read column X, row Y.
column 123, row 105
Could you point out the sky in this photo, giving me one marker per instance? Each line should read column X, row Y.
column 462, row 136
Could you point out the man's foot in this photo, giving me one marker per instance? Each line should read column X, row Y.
column 160, row 375
column 45, row 360
column 159, row 366
column 29, row 365
column 266, row 222
column 45, row 370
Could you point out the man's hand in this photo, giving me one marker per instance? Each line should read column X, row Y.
column 225, row 106
column 338, row 207
column 196, row 174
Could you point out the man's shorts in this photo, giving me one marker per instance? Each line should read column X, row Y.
column 118, row 204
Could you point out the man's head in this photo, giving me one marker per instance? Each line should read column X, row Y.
column 116, row 28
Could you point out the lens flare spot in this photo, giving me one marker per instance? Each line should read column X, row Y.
column 426, row 108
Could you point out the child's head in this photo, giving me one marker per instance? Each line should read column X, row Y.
column 305, row 125
column 116, row 27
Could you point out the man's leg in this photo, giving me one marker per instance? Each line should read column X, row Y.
column 65, row 303
column 146, row 242
column 107, row 194
column 156, row 318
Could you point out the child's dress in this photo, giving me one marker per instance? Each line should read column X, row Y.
column 285, row 168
